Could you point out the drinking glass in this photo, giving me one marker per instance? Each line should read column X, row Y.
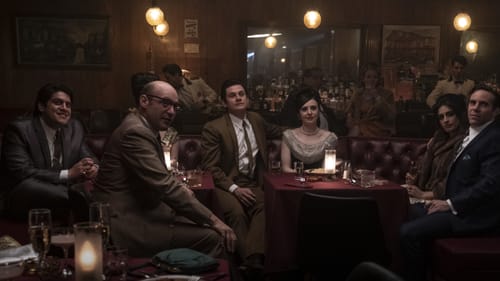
column 274, row 167
column 299, row 168
column 40, row 222
column 194, row 178
column 100, row 212
column 367, row 178
column 411, row 175
column 116, row 263
column 64, row 238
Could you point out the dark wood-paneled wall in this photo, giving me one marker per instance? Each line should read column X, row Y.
column 222, row 25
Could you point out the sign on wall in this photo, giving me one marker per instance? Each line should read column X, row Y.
column 190, row 28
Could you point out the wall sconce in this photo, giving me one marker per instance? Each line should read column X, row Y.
column 312, row 19
column 330, row 161
column 471, row 47
column 270, row 42
column 462, row 22
column 162, row 29
column 88, row 251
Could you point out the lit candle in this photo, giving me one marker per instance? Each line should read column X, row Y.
column 330, row 159
column 168, row 163
column 88, row 251
column 88, row 257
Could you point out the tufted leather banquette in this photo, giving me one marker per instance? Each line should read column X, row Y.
column 390, row 158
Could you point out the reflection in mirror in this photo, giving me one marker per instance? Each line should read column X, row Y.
column 485, row 64
column 274, row 69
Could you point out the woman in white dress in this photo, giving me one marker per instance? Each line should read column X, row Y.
column 306, row 143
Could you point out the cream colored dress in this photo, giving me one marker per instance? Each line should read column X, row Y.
column 310, row 154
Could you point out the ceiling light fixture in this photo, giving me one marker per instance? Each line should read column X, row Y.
column 161, row 29
column 471, row 47
column 270, row 42
column 312, row 19
column 263, row 35
column 462, row 21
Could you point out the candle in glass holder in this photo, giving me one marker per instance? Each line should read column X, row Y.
column 330, row 159
column 168, row 163
column 88, row 251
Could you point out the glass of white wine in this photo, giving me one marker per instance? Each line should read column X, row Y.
column 100, row 212
column 64, row 238
column 40, row 223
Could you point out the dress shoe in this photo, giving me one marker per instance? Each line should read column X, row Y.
column 254, row 261
column 252, row 268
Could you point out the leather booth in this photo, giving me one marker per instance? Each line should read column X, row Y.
column 390, row 158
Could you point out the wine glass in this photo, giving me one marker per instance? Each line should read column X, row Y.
column 40, row 222
column 64, row 238
column 100, row 212
column 411, row 175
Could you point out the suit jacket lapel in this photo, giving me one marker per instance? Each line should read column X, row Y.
column 260, row 138
column 41, row 138
column 159, row 148
column 232, row 139
column 66, row 132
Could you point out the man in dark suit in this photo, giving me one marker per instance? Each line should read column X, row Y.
column 235, row 152
column 44, row 156
column 152, row 210
column 472, row 189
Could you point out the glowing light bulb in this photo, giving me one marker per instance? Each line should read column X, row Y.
column 312, row 19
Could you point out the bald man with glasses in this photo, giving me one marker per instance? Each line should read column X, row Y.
column 151, row 210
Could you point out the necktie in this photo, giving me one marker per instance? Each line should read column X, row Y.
column 249, row 153
column 462, row 146
column 56, row 156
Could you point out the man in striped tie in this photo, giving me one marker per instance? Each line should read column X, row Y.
column 235, row 152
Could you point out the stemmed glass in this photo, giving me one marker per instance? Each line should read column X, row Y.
column 100, row 212
column 40, row 223
column 64, row 238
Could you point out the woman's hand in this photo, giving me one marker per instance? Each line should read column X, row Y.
column 414, row 191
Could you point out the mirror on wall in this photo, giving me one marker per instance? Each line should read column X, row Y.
column 484, row 65
column 280, row 61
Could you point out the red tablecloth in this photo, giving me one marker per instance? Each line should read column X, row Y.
column 282, row 208
column 205, row 193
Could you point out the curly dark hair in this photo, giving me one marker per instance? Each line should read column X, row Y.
column 457, row 104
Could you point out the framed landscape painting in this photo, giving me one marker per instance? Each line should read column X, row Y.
column 66, row 42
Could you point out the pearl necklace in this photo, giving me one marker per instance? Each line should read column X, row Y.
column 309, row 133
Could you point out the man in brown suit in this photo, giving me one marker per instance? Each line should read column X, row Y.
column 235, row 152
column 147, row 201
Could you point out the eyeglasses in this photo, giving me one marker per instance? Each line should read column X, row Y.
column 166, row 103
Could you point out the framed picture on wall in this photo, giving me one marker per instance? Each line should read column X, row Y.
column 61, row 41
column 408, row 51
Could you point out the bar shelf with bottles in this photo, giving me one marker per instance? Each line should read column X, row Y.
column 271, row 97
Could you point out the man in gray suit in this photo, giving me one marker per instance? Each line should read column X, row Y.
column 151, row 210
column 44, row 156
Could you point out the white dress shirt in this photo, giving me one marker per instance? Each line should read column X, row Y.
column 243, row 161
column 50, row 134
